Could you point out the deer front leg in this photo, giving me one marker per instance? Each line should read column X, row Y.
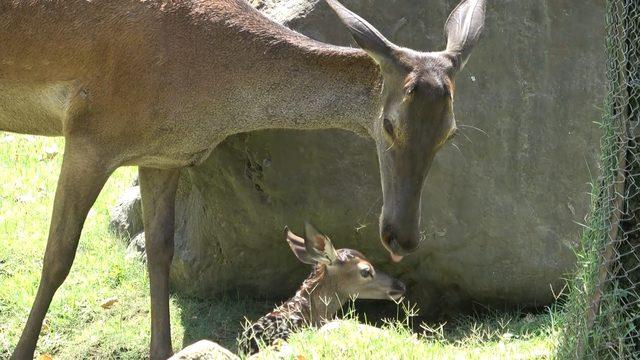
column 158, row 190
column 82, row 176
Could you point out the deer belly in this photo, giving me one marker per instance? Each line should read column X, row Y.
column 32, row 109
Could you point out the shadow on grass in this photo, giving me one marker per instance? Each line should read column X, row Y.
column 218, row 319
column 478, row 324
column 221, row 320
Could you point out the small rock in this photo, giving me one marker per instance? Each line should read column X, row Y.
column 204, row 350
column 126, row 217
column 280, row 350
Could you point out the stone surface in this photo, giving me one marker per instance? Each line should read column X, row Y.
column 280, row 351
column 126, row 215
column 499, row 215
column 136, row 250
column 204, row 350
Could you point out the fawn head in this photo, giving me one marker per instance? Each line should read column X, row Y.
column 416, row 118
column 347, row 272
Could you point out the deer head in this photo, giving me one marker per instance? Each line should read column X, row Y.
column 416, row 118
column 348, row 274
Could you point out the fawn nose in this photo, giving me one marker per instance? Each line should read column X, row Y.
column 398, row 289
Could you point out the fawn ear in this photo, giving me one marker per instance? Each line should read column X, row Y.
column 463, row 29
column 319, row 245
column 369, row 39
column 314, row 248
column 296, row 243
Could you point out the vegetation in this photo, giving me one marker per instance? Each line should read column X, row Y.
column 102, row 310
column 493, row 335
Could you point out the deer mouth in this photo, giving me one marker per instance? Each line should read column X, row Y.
column 395, row 258
column 391, row 244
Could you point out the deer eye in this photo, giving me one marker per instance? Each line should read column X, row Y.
column 453, row 134
column 365, row 273
column 412, row 89
column 388, row 127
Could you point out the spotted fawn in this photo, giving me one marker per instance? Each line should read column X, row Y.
column 337, row 276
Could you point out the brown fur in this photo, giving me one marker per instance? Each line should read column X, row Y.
column 159, row 83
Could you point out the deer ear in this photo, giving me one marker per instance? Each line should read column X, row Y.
column 318, row 245
column 296, row 243
column 367, row 37
column 463, row 29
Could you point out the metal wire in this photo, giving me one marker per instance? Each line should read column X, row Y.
column 602, row 317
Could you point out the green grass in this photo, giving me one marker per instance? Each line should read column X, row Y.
column 77, row 327
column 493, row 335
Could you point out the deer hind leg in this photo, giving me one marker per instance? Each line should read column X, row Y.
column 82, row 176
column 158, row 190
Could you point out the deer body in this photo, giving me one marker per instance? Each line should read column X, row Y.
column 166, row 73
column 158, row 84
column 337, row 276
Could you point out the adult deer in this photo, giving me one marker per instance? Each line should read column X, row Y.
column 337, row 276
column 159, row 84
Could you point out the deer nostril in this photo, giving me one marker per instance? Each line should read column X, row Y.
column 390, row 242
column 393, row 244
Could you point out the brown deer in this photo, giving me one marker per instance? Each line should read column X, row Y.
column 159, row 83
column 337, row 276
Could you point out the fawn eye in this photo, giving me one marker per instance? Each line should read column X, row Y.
column 388, row 127
column 365, row 273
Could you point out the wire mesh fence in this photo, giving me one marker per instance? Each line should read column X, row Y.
column 603, row 310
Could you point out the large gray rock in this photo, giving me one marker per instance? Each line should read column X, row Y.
column 500, row 216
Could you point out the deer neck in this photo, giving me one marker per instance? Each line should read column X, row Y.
column 325, row 302
column 277, row 78
column 329, row 88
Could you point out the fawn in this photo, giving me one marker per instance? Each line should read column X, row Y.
column 337, row 276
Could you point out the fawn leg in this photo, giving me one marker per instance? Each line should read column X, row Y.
column 82, row 176
column 158, row 190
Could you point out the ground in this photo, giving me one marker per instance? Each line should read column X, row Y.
column 102, row 310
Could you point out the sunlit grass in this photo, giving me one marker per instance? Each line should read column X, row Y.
column 492, row 335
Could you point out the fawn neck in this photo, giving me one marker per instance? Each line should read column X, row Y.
column 317, row 300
